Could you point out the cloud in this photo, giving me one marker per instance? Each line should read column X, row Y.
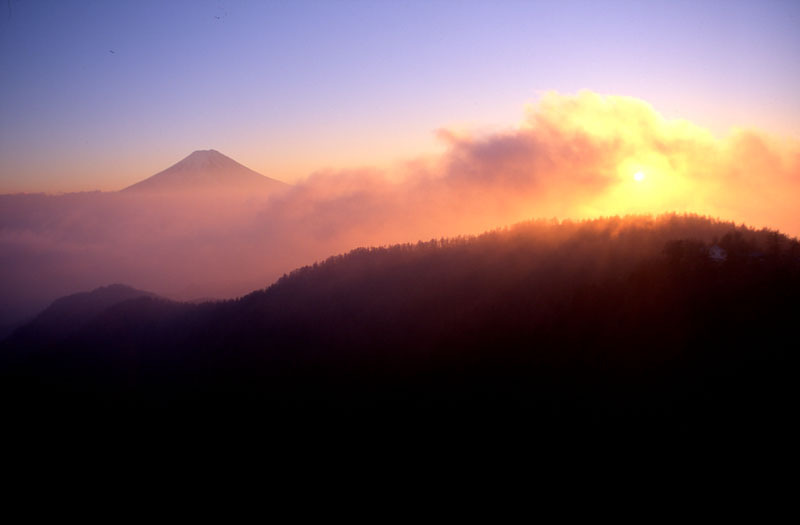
column 573, row 156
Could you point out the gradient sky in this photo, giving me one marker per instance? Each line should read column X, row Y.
column 100, row 94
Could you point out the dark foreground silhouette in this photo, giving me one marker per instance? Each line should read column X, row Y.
column 679, row 321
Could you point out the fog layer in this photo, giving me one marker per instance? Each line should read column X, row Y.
column 571, row 157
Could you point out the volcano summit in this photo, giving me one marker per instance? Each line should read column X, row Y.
column 206, row 170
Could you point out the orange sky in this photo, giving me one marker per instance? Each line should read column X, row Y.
column 99, row 95
column 576, row 156
column 570, row 157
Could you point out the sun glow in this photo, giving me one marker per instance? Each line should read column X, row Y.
column 645, row 183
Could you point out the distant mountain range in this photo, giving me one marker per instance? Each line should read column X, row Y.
column 615, row 321
column 53, row 245
column 69, row 315
column 206, row 170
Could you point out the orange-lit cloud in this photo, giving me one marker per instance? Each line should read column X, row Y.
column 746, row 176
column 572, row 157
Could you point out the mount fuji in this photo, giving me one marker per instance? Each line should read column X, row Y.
column 207, row 170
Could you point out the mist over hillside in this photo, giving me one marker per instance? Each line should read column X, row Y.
column 210, row 227
column 185, row 232
column 680, row 319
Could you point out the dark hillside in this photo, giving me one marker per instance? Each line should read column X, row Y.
column 70, row 314
column 679, row 319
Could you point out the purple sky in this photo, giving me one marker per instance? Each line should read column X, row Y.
column 100, row 94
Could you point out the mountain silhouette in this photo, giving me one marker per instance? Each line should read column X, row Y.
column 68, row 315
column 602, row 323
column 206, row 170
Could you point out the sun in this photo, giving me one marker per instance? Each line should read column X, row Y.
column 638, row 176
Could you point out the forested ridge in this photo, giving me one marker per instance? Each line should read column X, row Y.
column 611, row 320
